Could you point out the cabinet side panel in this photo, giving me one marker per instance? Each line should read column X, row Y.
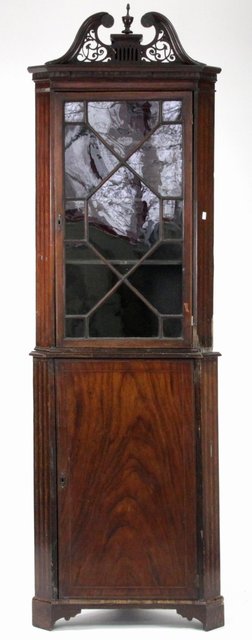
column 44, row 481
column 205, row 173
column 210, row 479
column 44, row 226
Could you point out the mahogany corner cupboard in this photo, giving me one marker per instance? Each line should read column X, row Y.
column 125, row 378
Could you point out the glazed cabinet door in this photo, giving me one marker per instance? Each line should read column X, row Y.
column 126, row 479
column 123, row 211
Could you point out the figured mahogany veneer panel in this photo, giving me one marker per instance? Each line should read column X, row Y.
column 126, row 478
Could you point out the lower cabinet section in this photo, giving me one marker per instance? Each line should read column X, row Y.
column 126, row 479
column 210, row 613
column 122, row 472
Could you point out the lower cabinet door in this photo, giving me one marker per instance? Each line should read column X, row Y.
column 126, row 479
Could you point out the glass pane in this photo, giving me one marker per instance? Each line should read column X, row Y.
column 74, row 111
column 124, row 267
column 166, row 251
column 172, row 110
column 161, row 285
column 123, row 315
column 79, row 251
column 123, row 217
column 74, row 220
column 159, row 160
column 75, row 327
column 112, row 247
column 172, row 218
column 172, row 327
column 87, row 161
column 123, row 124
column 86, row 285
column 116, row 210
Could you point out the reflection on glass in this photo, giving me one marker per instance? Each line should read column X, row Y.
column 167, row 251
column 161, row 285
column 123, row 315
column 85, row 285
column 171, row 110
column 159, row 160
column 74, row 220
column 115, row 247
column 123, row 124
column 123, row 207
column 74, row 111
column 124, row 267
column 87, row 161
column 172, row 327
column 79, row 251
column 121, row 219
column 172, row 218
column 74, row 327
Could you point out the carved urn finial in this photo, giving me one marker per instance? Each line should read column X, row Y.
column 127, row 21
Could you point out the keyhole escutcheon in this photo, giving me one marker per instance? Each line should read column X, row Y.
column 62, row 480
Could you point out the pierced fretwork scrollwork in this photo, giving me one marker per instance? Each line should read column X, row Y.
column 87, row 46
column 126, row 47
column 165, row 46
column 93, row 50
column 159, row 51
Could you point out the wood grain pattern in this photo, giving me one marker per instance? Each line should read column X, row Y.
column 86, row 77
column 126, row 486
column 210, row 478
column 204, row 187
column 45, row 614
column 128, row 352
column 45, row 509
column 126, row 452
column 44, row 226
column 210, row 613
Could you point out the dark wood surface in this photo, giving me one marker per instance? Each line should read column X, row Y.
column 127, row 352
column 209, row 612
column 127, row 42
column 45, row 504
column 45, row 614
column 210, row 479
column 130, row 490
column 135, row 466
column 65, row 77
column 198, row 248
column 126, row 479
column 45, row 320
column 204, row 176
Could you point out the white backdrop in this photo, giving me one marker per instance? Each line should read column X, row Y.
column 218, row 33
